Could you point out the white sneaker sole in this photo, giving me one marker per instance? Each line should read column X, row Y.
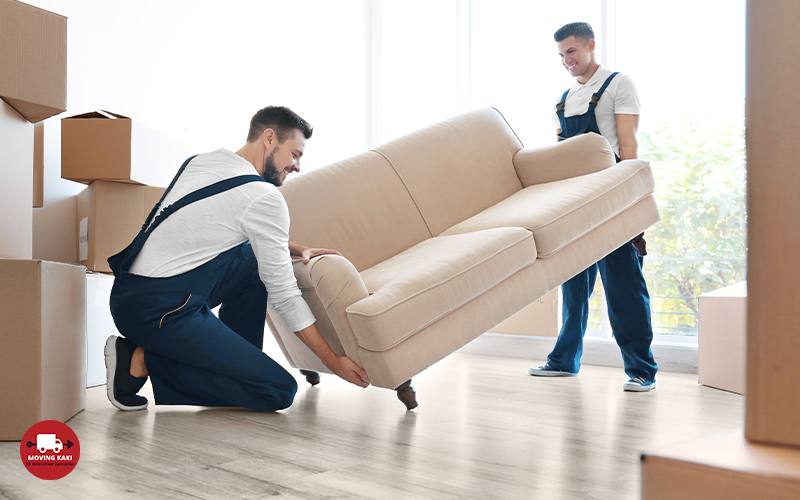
column 549, row 373
column 111, row 369
column 638, row 388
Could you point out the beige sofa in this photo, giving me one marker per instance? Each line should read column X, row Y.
column 448, row 231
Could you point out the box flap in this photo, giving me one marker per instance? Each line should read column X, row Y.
column 109, row 114
column 98, row 114
column 33, row 112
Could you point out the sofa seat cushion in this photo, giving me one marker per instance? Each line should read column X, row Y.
column 433, row 278
column 560, row 212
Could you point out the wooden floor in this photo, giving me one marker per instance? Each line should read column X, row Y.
column 484, row 430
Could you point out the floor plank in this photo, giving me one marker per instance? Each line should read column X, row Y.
column 484, row 429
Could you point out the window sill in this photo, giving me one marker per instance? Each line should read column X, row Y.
column 678, row 357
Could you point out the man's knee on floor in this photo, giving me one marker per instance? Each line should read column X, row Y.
column 281, row 394
column 288, row 389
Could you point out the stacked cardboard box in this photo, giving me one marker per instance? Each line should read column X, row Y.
column 33, row 58
column 109, row 215
column 42, row 346
column 108, row 146
column 121, row 160
column 33, row 86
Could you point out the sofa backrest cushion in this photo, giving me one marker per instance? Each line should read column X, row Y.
column 358, row 206
column 457, row 168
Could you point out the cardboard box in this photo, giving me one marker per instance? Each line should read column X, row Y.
column 99, row 325
column 107, row 146
column 538, row 319
column 38, row 165
column 54, row 236
column 722, row 338
column 43, row 345
column 109, row 216
column 773, row 235
column 16, row 184
column 726, row 467
column 33, row 60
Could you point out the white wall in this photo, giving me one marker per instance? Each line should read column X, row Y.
column 515, row 63
column 422, row 48
column 362, row 72
column 198, row 70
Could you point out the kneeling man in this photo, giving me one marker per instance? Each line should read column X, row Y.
column 219, row 237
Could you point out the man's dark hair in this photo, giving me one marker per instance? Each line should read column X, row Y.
column 581, row 31
column 280, row 119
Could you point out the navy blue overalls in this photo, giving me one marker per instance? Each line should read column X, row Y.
column 195, row 358
column 623, row 282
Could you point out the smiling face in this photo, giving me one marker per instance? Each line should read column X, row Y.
column 283, row 158
column 577, row 56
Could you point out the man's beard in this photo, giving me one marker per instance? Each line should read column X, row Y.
column 271, row 173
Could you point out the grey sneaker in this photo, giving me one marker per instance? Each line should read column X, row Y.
column 549, row 371
column 121, row 386
column 639, row 384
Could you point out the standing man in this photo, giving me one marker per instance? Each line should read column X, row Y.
column 604, row 103
column 219, row 236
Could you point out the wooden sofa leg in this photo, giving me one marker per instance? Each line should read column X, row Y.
column 312, row 377
column 407, row 395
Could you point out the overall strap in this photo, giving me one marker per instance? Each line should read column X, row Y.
column 597, row 95
column 121, row 262
column 560, row 106
column 560, row 113
column 202, row 193
column 169, row 188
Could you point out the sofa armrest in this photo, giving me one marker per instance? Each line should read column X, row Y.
column 573, row 157
column 338, row 284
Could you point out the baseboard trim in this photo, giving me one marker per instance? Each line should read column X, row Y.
column 670, row 358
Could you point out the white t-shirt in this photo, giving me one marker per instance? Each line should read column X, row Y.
column 619, row 98
column 204, row 229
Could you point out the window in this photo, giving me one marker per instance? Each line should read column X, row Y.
column 687, row 59
column 688, row 62
column 515, row 65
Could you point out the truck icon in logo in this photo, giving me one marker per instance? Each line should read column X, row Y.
column 46, row 442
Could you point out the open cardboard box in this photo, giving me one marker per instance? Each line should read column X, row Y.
column 107, row 146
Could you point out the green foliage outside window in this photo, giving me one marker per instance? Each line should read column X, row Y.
column 700, row 244
column 701, row 193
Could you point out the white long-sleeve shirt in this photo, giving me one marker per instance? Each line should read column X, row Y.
column 202, row 230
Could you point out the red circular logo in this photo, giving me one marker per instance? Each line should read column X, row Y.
column 50, row 450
